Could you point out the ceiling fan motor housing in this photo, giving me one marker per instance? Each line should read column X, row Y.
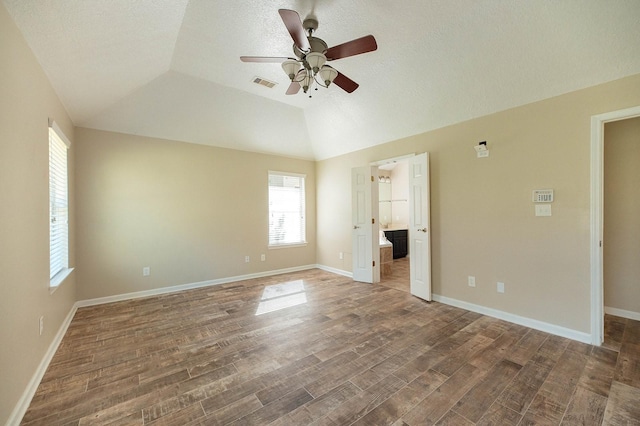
column 317, row 45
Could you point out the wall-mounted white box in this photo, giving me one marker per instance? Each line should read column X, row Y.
column 543, row 209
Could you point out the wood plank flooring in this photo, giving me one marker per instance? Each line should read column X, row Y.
column 315, row 348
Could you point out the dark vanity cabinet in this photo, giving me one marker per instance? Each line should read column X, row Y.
column 399, row 238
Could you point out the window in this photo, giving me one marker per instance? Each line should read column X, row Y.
column 58, row 206
column 287, row 224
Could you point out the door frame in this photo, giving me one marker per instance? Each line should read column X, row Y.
column 410, row 230
column 597, row 215
column 382, row 163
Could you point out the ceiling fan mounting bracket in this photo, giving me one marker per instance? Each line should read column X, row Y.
column 310, row 25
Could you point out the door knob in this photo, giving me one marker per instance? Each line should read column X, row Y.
column 355, row 227
column 423, row 230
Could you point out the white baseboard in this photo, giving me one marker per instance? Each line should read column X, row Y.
column 23, row 404
column 516, row 319
column 182, row 287
column 622, row 313
column 335, row 271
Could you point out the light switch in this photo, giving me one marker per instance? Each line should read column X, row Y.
column 543, row 209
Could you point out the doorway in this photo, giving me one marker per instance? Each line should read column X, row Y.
column 597, row 216
column 366, row 229
column 621, row 216
column 393, row 214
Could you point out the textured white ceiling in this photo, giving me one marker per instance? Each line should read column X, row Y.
column 171, row 69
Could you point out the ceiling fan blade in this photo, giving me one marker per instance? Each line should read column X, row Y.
column 294, row 88
column 293, row 23
column 345, row 83
column 262, row 59
column 354, row 47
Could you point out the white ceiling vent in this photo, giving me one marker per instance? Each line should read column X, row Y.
column 264, row 82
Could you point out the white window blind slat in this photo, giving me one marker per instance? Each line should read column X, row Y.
column 287, row 222
column 58, row 202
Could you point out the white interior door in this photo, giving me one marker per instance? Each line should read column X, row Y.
column 365, row 241
column 419, row 227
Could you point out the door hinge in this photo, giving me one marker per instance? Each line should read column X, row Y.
column 371, row 178
column 374, row 263
column 373, row 220
column 600, row 243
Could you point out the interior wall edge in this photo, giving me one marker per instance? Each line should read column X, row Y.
column 25, row 400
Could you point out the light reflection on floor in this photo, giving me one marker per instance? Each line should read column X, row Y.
column 281, row 296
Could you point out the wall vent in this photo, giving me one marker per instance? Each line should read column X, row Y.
column 264, row 82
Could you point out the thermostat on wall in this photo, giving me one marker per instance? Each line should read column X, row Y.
column 543, row 196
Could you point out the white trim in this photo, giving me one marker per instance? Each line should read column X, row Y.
column 622, row 313
column 275, row 172
column 59, row 278
column 335, row 271
column 392, row 160
column 25, row 400
column 286, row 245
column 60, row 133
column 517, row 319
column 596, row 208
column 182, row 287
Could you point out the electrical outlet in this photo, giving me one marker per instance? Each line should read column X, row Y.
column 246, row 259
column 500, row 287
column 263, row 257
column 341, row 255
column 146, row 271
column 41, row 325
column 472, row 281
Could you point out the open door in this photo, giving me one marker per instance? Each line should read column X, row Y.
column 419, row 227
column 365, row 240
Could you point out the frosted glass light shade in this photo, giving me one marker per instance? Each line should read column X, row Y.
column 307, row 82
column 290, row 68
column 328, row 74
column 316, row 60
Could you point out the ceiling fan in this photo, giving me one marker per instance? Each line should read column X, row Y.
column 312, row 53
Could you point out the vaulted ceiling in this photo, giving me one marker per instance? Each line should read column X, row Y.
column 171, row 69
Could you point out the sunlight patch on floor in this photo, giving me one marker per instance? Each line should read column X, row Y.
column 281, row 296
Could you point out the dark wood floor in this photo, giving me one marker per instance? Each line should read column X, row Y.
column 316, row 348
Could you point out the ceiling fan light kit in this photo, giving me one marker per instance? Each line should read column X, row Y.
column 291, row 68
column 328, row 74
column 313, row 53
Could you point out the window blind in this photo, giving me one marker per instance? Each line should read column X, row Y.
column 287, row 222
column 58, row 202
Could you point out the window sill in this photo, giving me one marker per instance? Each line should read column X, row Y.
column 282, row 246
column 58, row 279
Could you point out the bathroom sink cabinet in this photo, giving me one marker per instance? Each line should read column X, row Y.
column 399, row 240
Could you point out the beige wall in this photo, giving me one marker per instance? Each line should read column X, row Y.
column 189, row 212
column 482, row 214
column 26, row 102
column 622, row 215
